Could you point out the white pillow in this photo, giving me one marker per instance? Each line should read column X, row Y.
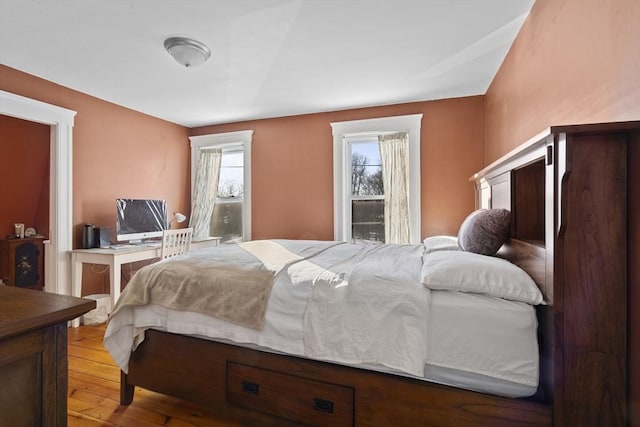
column 440, row 243
column 469, row 272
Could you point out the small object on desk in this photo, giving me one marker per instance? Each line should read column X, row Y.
column 121, row 246
column 87, row 236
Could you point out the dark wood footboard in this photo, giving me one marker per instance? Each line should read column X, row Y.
column 250, row 387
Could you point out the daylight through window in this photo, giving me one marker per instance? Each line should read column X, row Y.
column 230, row 217
column 362, row 210
column 367, row 191
column 226, row 220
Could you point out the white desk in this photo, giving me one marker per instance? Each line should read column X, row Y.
column 114, row 258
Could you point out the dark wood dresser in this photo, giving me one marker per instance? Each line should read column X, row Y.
column 33, row 355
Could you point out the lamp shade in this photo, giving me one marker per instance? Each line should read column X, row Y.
column 177, row 217
column 187, row 52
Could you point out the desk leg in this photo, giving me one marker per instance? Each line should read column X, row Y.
column 76, row 283
column 115, row 269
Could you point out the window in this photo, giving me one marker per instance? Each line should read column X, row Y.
column 359, row 198
column 366, row 195
column 231, row 213
column 226, row 220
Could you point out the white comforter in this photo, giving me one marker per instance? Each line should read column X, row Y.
column 367, row 306
column 360, row 304
column 342, row 305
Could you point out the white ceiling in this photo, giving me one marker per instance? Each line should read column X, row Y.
column 269, row 58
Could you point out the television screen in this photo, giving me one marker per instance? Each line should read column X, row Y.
column 138, row 219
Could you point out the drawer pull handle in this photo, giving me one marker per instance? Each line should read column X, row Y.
column 323, row 405
column 251, row 388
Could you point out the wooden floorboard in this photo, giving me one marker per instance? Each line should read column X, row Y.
column 94, row 392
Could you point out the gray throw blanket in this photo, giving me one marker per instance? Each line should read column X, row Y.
column 231, row 282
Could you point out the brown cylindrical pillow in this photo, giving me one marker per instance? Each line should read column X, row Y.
column 484, row 231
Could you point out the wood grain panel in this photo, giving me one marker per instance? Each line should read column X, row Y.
column 197, row 372
column 314, row 403
column 591, row 281
column 33, row 333
column 633, row 258
column 21, row 394
column 602, row 374
column 595, row 280
column 528, row 202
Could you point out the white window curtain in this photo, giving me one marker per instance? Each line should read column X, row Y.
column 394, row 153
column 204, row 193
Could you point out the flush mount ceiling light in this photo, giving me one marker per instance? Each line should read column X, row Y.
column 187, row 52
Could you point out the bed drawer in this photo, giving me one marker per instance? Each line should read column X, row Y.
column 309, row 402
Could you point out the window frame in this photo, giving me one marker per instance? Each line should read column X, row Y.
column 345, row 131
column 236, row 141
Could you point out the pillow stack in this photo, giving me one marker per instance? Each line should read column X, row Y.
column 467, row 264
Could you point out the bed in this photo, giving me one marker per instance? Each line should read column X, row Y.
column 574, row 228
column 310, row 360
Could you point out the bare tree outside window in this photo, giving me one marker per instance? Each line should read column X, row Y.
column 226, row 220
column 367, row 193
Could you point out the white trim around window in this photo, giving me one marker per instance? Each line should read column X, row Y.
column 228, row 140
column 342, row 132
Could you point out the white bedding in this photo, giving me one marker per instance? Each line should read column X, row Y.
column 466, row 340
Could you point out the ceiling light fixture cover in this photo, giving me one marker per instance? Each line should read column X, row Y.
column 187, row 52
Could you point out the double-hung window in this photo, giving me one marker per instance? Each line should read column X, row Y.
column 226, row 219
column 221, row 194
column 366, row 189
column 377, row 179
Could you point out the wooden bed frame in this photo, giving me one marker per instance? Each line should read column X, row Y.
column 215, row 375
column 583, row 378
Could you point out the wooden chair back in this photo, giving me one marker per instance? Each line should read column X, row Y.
column 176, row 242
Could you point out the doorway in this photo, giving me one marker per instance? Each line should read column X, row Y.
column 60, row 120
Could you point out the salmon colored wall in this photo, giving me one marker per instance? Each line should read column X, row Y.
column 574, row 61
column 292, row 166
column 117, row 152
column 24, row 172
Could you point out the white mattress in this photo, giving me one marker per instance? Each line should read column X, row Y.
column 475, row 342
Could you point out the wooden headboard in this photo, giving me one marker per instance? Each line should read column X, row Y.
column 529, row 257
column 517, row 182
column 572, row 192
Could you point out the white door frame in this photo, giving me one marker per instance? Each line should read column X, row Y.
column 60, row 120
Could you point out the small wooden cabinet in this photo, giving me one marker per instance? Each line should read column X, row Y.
column 22, row 262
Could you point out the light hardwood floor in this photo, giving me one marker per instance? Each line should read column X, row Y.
column 94, row 392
